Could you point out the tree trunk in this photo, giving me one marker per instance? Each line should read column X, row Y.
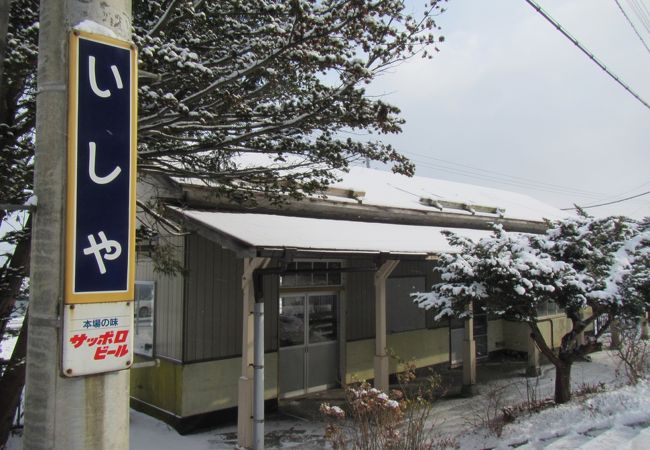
column 5, row 7
column 11, row 385
column 562, row 382
column 11, row 278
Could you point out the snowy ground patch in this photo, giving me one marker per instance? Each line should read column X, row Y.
column 616, row 418
column 622, row 413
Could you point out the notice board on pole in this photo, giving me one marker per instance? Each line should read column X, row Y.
column 102, row 127
column 97, row 337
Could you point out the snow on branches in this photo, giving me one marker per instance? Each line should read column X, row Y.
column 18, row 102
column 239, row 77
column 509, row 270
column 580, row 262
column 281, row 78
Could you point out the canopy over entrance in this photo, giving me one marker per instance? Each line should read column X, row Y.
column 266, row 235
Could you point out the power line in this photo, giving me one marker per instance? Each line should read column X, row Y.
column 636, row 188
column 585, row 51
column 475, row 176
column 632, row 25
column 641, row 13
column 514, row 178
column 643, row 7
column 547, row 187
column 610, row 203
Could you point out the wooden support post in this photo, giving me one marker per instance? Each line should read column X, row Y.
column 645, row 330
column 533, row 368
column 381, row 359
column 469, row 356
column 615, row 332
column 245, row 386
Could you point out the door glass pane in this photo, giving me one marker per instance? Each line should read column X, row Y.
column 481, row 346
column 322, row 318
column 480, row 324
column 292, row 321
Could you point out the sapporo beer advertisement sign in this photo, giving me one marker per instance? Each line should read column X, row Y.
column 102, row 109
column 97, row 337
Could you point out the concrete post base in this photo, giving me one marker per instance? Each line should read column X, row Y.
column 532, row 371
column 645, row 329
column 533, row 368
column 468, row 390
column 615, row 332
column 469, row 363
column 245, row 413
column 381, row 373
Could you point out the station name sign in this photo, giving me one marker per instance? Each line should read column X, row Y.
column 102, row 114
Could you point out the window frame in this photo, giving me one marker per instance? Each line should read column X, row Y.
column 136, row 307
column 311, row 285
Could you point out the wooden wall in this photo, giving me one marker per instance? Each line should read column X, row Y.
column 168, row 303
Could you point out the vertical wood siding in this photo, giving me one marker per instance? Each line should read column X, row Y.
column 168, row 303
column 271, row 295
column 360, row 302
column 360, row 296
column 213, row 307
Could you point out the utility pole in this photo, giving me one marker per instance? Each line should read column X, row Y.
column 90, row 412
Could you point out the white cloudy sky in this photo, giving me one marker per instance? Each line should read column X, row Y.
column 509, row 94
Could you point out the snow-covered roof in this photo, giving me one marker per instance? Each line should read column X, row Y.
column 381, row 188
column 269, row 231
column 389, row 189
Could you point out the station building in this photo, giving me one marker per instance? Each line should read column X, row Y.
column 334, row 273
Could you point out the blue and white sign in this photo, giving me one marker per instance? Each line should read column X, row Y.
column 101, row 169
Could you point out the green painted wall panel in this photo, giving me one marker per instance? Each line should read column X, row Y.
column 211, row 386
column 515, row 334
column 425, row 347
column 158, row 386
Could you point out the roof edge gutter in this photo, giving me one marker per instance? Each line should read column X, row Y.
column 204, row 197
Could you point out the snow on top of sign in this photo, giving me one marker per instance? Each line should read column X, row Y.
column 90, row 26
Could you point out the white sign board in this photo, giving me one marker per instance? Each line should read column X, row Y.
column 97, row 337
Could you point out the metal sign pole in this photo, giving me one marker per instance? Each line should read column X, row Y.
column 90, row 412
column 258, row 387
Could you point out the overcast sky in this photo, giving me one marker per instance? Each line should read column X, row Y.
column 508, row 94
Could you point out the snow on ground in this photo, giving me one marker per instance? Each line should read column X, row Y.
column 14, row 325
column 616, row 418
column 622, row 414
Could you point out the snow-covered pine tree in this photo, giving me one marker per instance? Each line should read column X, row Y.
column 579, row 264
column 636, row 281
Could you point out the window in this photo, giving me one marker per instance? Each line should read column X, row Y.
column 143, row 317
column 548, row 308
column 306, row 274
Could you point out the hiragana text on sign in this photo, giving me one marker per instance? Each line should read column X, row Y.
column 101, row 174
